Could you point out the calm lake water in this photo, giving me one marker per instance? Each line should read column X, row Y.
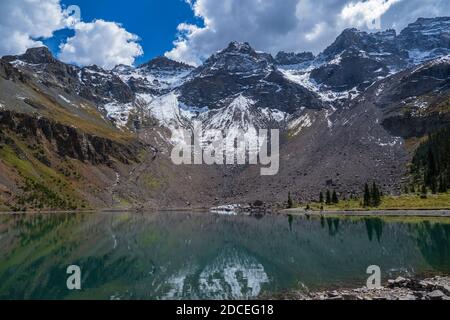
column 207, row 256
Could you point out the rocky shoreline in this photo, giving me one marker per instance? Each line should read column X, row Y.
column 437, row 288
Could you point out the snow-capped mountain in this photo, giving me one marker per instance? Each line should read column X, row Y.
column 237, row 88
column 156, row 77
column 344, row 114
column 357, row 59
column 426, row 39
column 240, row 70
column 288, row 84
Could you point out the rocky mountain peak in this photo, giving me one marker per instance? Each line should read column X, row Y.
column 239, row 69
column 238, row 59
column 349, row 38
column 240, row 51
column 96, row 68
column 387, row 35
column 427, row 34
column 121, row 68
column 39, row 55
column 438, row 25
column 165, row 64
column 355, row 41
column 36, row 55
column 239, row 47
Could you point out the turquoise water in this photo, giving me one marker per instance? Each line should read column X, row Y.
column 205, row 256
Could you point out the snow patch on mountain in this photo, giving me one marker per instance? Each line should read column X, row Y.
column 163, row 80
column 119, row 113
column 298, row 125
column 443, row 59
column 167, row 109
column 390, row 143
column 336, row 60
column 419, row 108
column 303, row 78
column 239, row 117
column 236, row 116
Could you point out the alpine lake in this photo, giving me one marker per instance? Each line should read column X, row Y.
column 191, row 255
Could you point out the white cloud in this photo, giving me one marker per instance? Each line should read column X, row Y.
column 364, row 12
column 22, row 21
column 269, row 25
column 289, row 25
column 103, row 43
column 316, row 32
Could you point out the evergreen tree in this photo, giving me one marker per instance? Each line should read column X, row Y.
column 335, row 199
column 366, row 201
column 375, row 196
column 290, row 202
column 424, row 192
column 321, row 197
column 328, row 201
column 442, row 185
column 431, row 169
column 433, row 184
column 431, row 162
column 378, row 197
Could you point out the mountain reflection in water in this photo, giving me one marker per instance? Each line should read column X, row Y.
column 207, row 256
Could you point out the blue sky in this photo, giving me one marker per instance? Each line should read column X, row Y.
column 129, row 32
column 154, row 21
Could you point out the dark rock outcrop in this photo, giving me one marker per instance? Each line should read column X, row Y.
column 357, row 59
column 290, row 58
column 414, row 102
column 427, row 34
column 8, row 72
column 92, row 83
column 103, row 86
column 165, row 64
column 69, row 141
column 37, row 55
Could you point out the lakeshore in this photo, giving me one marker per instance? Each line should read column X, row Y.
column 369, row 213
column 436, row 288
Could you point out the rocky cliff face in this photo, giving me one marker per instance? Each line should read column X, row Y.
column 427, row 37
column 415, row 102
column 357, row 59
column 8, row 72
column 91, row 83
column 46, row 165
column 68, row 141
column 291, row 58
